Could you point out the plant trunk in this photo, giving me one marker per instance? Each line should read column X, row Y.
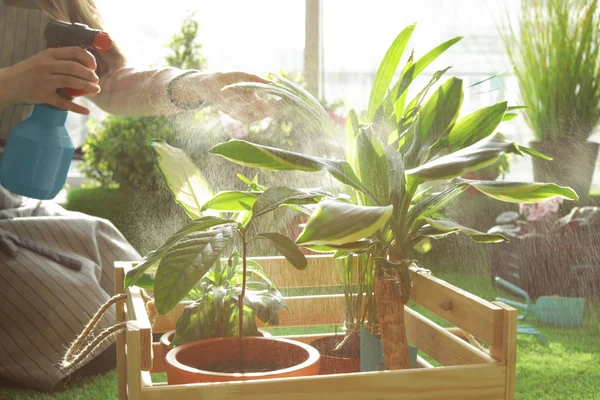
column 390, row 315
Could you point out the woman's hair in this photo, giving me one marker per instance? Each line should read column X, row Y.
column 84, row 12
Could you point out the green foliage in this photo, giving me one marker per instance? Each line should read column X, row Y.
column 214, row 312
column 555, row 49
column 391, row 205
column 185, row 51
column 117, row 152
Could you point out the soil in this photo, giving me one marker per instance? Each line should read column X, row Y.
column 350, row 349
column 247, row 366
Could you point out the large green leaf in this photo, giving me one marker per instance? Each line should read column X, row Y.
column 477, row 156
column 372, row 166
column 186, row 262
column 152, row 258
column 476, row 126
column 184, row 180
column 264, row 300
column 358, row 246
column 264, row 157
column 411, row 71
column 352, row 130
column 336, row 222
column 232, row 201
column 441, row 227
column 519, row 192
column 272, row 198
column 440, row 111
column 430, row 204
column 286, row 247
column 387, row 69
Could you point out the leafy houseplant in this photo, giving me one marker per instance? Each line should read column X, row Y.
column 215, row 307
column 192, row 255
column 548, row 254
column 555, row 49
column 407, row 157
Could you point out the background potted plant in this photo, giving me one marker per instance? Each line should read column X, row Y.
column 398, row 189
column 548, row 255
column 173, row 271
column 555, row 49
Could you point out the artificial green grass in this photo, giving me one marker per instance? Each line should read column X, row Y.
column 567, row 369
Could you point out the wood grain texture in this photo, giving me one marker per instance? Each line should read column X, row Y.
column 134, row 374
column 482, row 382
column 439, row 344
column 508, row 354
column 473, row 314
column 121, row 340
column 136, row 311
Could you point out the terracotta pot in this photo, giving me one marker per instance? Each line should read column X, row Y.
column 187, row 363
column 345, row 361
column 166, row 338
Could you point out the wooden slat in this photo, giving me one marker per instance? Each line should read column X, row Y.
column 507, row 355
column 158, row 364
column 479, row 317
column 439, row 344
column 134, row 376
column 120, row 314
column 482, row 382
column 136, row 311
column 320, row 271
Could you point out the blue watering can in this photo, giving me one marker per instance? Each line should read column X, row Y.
column 38, row 151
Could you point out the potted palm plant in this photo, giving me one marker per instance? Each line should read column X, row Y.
column 408, row 157
column 555, row 49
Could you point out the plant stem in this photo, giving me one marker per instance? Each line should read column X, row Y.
column 241, row 299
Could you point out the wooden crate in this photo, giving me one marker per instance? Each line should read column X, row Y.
column 466, row 372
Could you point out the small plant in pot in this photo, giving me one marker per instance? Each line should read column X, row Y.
column 555, row 48
column 407, row 160
column 214, row 310
column 174, row 270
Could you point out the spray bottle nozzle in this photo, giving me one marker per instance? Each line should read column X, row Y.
column 63, row 34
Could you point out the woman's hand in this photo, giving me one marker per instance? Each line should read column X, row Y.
column 36, row 79
column 241, row 104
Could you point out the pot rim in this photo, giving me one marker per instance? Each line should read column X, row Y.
column 172, row 361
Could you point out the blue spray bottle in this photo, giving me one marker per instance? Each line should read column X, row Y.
column 38, row 151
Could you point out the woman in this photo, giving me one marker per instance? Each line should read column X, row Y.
column 56, row 267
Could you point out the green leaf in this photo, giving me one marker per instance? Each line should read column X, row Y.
column 534, row 153
column 397, row 177
column 264, row 157
column 232, row 201
column 439, row 113
column 152, row 258
column 509, row 116
column 272, row 198
column 352, row 130
column 186, row 262
column 442, row 227
column 412, row 71
column 386, row 70
column 286, row 247
column 336, row 222
column 184, row 180
column 351, row 247
column 519, row 192
column 264, row 300
column 476, row 126
column 477, row 156
column 196, row 322
column 372, row 166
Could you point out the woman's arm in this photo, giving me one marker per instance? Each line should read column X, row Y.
column 132, row 92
